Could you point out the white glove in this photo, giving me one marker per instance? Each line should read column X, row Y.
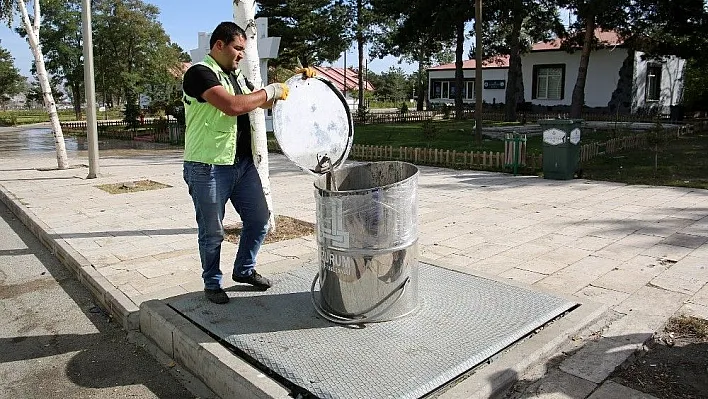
column 276, row 91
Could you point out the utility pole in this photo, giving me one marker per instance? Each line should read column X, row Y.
column 90, row 87
column 478, row 83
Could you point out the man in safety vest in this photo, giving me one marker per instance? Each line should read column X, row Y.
column 218, row 157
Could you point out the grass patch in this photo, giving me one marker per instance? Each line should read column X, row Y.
column 132, row 187
column 449, row 135
column 682, row 162
column 458, row 135
column 286, row 228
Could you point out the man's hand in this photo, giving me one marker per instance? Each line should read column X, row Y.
column 307, row 72
column 276, row 91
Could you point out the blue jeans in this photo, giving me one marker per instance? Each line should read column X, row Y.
column 211, row 187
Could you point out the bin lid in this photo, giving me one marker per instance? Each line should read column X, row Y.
column 313, row 126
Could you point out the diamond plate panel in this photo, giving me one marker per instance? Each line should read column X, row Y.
column 462, row 321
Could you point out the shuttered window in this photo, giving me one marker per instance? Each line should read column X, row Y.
column 549, row 83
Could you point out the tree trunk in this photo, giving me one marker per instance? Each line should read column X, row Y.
column 360, row 44
column 33, row 37
column 478, row 77
column 459, row 77
column 76, row 99
column 576, row 107
column 511, row 99
column 420, row 89
column 245, row 17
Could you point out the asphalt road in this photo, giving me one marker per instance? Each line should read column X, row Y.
column 56, row 343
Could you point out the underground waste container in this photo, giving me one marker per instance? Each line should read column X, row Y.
column 561, row 147
column 366, row 213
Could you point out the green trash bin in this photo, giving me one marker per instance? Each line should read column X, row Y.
column 561, row 147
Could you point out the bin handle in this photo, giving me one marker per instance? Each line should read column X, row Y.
column 358, row 319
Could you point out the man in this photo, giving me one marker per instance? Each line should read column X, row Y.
column 219, row 157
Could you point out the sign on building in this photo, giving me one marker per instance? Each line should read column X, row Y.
column 495, row 84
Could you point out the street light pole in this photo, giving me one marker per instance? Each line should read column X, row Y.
column 478, row 84
column 90, row 88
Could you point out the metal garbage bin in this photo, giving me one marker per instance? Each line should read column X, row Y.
column 367, row 234
column 561, row 147
column 367, row 216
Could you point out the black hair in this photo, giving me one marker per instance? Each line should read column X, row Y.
column 226, row 32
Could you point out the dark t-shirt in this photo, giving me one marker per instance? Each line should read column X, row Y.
column 200, row 78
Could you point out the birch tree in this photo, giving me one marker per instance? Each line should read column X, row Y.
column 31, row 26
column 245, row 17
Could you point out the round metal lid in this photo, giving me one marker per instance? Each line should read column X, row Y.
column 313, row 126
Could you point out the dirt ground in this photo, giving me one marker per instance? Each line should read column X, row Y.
column 676, row 366
column 286, row 228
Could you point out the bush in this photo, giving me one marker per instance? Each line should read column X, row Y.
column 446, row 111
column 9, row 119
column 430, row 130
column 404, row 108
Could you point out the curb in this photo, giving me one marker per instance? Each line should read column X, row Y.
column 501, row 374
column 224, row 373
column 108, row 296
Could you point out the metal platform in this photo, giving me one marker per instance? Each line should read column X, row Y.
column 463, row 320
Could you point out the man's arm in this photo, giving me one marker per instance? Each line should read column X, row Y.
column 234, row 105
column 203, row 84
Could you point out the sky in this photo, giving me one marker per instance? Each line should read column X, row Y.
column 182, row 22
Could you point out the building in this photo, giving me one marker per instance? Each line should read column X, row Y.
column 617, row 77
column 346, row 80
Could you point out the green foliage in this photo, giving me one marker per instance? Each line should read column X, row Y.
column 133, row 54
column 311, row 31
column 362, row 113
column 430, row 130
column 669, row 27
column 393, row 85
column 695, row 95
column 446, row 111
column 11, row 82
column 61, row 41
column 8, row 119
column 34, row 93
column 132, row 111
column 404, row 108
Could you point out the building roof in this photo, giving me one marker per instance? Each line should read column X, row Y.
column 501, row 61
column 336, row 76
column 179, row 70
column 608, row 38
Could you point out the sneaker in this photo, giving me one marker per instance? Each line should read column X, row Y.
column 254, row 279
column 216, row 296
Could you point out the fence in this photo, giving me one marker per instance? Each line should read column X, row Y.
column 151, row 131
column 488, row 160
column 493, row 115
column 641, row 140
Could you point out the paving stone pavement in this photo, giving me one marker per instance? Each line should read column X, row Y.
column 641, row 250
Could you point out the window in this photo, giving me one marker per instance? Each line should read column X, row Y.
column 446, row 89
column 436, row 91
column 653, row 83
column 548, row 82
column 469, row 86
